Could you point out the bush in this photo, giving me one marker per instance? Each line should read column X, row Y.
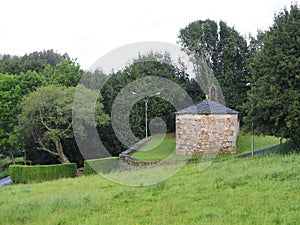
column 104, row 165
column 39, row 173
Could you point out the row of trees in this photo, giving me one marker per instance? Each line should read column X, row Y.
column 37, row 90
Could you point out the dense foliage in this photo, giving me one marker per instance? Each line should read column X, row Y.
column 226, row 53
column 48, row 68
column 157, row 106
column 275, row 96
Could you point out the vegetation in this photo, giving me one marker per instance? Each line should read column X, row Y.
column 226, row 53
column 12, row 90
column 154, row 150
column 275, row 84
column 46, row 68
column 6, row 162
column 45, row 119
column 4, row 173
column 270, row 62
column 259, row 190
column 35, row 61
column 32, row 174
column 104, row 165
column 155, row 65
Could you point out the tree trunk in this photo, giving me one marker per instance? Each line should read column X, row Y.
column 59, row 148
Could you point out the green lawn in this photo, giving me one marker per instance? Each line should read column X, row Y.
column 149, row 152
column 260, row 142
column 259, row 190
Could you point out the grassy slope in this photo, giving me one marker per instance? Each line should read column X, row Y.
column 162, row 151
column 259, row 190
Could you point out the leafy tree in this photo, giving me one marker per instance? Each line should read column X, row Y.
column 46, row 120
column 53, row 69
column 275, row 95
column 12, row 90
column 66, row 73
column 225, row 51
column 10, row 95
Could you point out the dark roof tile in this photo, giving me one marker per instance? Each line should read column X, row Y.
column 207, row 107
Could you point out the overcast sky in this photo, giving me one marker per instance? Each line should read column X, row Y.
column 87, row 29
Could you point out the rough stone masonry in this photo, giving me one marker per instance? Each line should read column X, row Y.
column 206, row 128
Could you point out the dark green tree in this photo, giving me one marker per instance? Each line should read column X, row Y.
column 225, row 52
column 275, row 96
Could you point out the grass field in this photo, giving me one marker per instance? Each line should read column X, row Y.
column 167, row 146
column 258, row 190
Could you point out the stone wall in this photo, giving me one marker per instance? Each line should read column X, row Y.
column 197, row 133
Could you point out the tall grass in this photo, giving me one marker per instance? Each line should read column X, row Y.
column 259, row 190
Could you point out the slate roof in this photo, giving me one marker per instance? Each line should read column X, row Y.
column 207, row 107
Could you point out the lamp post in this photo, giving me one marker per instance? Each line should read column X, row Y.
column 146, row 109
column 252, row 125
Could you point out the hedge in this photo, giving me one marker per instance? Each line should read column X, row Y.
column 39, row 173
column 103, row 165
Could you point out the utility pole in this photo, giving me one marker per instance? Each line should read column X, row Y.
column 252, row 124
column 146, row 109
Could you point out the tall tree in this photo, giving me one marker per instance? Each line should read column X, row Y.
column 225, row 51
column 275, row 95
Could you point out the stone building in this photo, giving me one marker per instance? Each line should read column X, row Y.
column 206, row 127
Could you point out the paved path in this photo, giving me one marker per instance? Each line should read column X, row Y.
column 4, row 181
column 259, row 151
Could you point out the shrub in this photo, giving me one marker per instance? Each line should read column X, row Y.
column 39, row 173
column 103, row 165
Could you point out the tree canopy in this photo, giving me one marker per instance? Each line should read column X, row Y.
column 275, row 86
column 14, row 85
column 225, row 51
column 46, row 119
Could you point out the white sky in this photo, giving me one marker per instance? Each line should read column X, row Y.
column 87, row 29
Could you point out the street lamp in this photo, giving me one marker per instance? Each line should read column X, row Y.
column 252, row 125
column 146, row 109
